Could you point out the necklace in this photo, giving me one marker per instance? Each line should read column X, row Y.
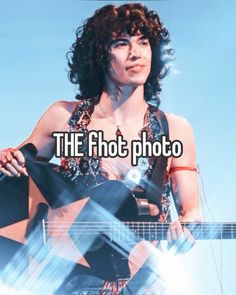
column 118, row 132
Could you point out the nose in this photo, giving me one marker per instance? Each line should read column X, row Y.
column 134, row 51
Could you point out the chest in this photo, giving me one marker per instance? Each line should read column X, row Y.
column 117, row 166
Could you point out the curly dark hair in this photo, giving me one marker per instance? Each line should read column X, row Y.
column 88, row 56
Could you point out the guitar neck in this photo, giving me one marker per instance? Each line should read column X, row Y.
column 200, row 231
column 142, row 230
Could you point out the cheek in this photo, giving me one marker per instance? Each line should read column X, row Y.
column 149, row 61
column 149, row 56
column 116, row 68
column 117, row 62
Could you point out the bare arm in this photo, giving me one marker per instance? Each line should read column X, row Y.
column 185, row 184
column 54, row 119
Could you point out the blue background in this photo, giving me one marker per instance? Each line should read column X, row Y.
column 34, row 39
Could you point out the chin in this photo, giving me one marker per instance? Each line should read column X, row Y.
column 139, row 79
column 138, row 82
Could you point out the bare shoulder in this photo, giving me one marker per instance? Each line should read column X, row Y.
column 59, row 113
column 54, row 119
column 179, row 127
column 62, row 107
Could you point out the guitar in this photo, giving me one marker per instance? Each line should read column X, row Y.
column 106, row 229
column 109, row 225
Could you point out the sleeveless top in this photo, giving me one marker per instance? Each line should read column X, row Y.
column 88, row 171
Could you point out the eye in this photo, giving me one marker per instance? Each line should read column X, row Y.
column 144, row 42
column 120, row 44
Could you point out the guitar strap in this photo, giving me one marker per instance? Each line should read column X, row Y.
column 155, row 187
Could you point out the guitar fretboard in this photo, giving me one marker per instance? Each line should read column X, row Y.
column 141, row 230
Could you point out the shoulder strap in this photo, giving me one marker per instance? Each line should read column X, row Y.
column 161, row 117
column 155, row 188
column 83, row 105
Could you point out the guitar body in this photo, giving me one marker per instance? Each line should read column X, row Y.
column 13, row 212
column 109, row 202
column 95, row 229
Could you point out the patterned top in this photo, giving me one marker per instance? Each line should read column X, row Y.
column 88, row 171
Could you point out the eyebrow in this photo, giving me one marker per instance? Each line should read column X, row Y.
column 113, row 41
column 124, row 38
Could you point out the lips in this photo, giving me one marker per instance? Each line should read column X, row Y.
column 135, row 68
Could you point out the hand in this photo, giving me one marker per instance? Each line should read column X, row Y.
column 179, row 239
column 153, row 209
column 12, row 162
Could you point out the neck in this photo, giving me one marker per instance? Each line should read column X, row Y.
column 120, row 105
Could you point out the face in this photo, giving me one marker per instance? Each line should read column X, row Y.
column 129, row 60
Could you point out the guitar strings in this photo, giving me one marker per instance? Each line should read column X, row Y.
column 219, row 269
column 152, row 229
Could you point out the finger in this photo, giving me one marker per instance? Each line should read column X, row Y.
column 4, row 171
column 187, row 232
column 173, row 231
column 169, row 240
column 17, row 166
column 189, row 236
column 178, row 228
column 154, row 210
column 11, row 169
column 3, row 159
column 19, row 156
column 178, row 246
column 6, row 156
column 9, row 154
column 18, row 163
column 185, row 242
column 24, row 171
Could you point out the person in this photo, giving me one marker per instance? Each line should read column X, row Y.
column 118, row 60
